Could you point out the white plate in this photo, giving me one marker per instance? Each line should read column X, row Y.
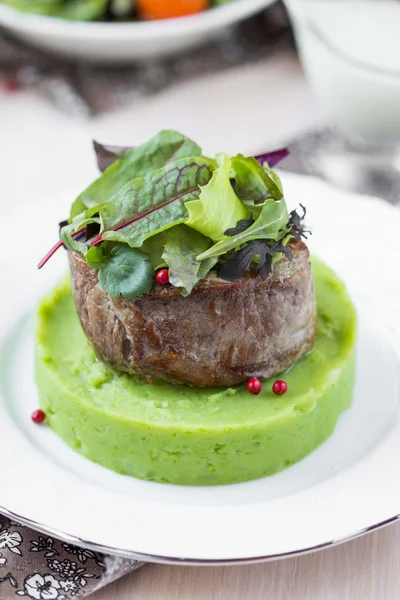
column 117, row 42
column 348, row 486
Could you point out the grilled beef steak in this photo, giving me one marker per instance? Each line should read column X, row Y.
column 222, row 334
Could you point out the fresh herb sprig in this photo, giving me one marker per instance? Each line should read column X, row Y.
column 240, row 261
column 262, row 252
column 296, row 224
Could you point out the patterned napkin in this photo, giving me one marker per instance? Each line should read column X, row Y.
column 85, row 89
column 40, row 567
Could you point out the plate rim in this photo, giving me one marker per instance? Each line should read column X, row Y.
column 180, row 561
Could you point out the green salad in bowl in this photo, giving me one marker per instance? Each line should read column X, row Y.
column 122, row 31
column 113, row 10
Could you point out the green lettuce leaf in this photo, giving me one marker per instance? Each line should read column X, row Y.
column 125, row 272
column 218, row 207
column 150, row 205
column 275, row 178
column 270, row 225
column 41, row 7
column 182, row 246
column 164, row 148
column 76, row 10
column 205, row 267
column 253, row 184
column 67, row 231
column 97, row 255
column 154, row 248
column 82, row 10
column 106, row 155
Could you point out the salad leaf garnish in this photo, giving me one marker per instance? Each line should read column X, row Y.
column 262, row 253
column 240, row 261
column 241, row 226
column 154, row 248
column 107, row 155
column 97, row 256
column 296, row 224
column 253, row 184
column 162, row 149
column 217, row 206
column 275, row 178
column 152, row 204
column 272, row 158
column 164, row 204
column 182, row 246
column 125, row 272
column 54, row 249
column 273, row 218
column 71, row 234
column 205, row 267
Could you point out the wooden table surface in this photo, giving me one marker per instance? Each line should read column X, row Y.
column 367, row 568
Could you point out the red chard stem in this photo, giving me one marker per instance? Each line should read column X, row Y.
column 56, row 247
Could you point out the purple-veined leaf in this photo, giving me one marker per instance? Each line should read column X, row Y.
column 164, row 148
column 150, row 205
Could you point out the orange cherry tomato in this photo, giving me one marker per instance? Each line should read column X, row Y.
column 169, row 9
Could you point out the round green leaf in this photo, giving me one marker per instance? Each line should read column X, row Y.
column 127, row 272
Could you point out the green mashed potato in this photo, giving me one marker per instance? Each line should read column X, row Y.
column 194, row 436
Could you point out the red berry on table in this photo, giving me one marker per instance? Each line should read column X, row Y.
column 254, row 386
column 162, row 277
column 38, row 416
column 280, row 387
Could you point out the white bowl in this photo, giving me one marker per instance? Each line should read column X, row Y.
column 117, row 42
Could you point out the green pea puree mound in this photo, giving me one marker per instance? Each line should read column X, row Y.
column 186, row 435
